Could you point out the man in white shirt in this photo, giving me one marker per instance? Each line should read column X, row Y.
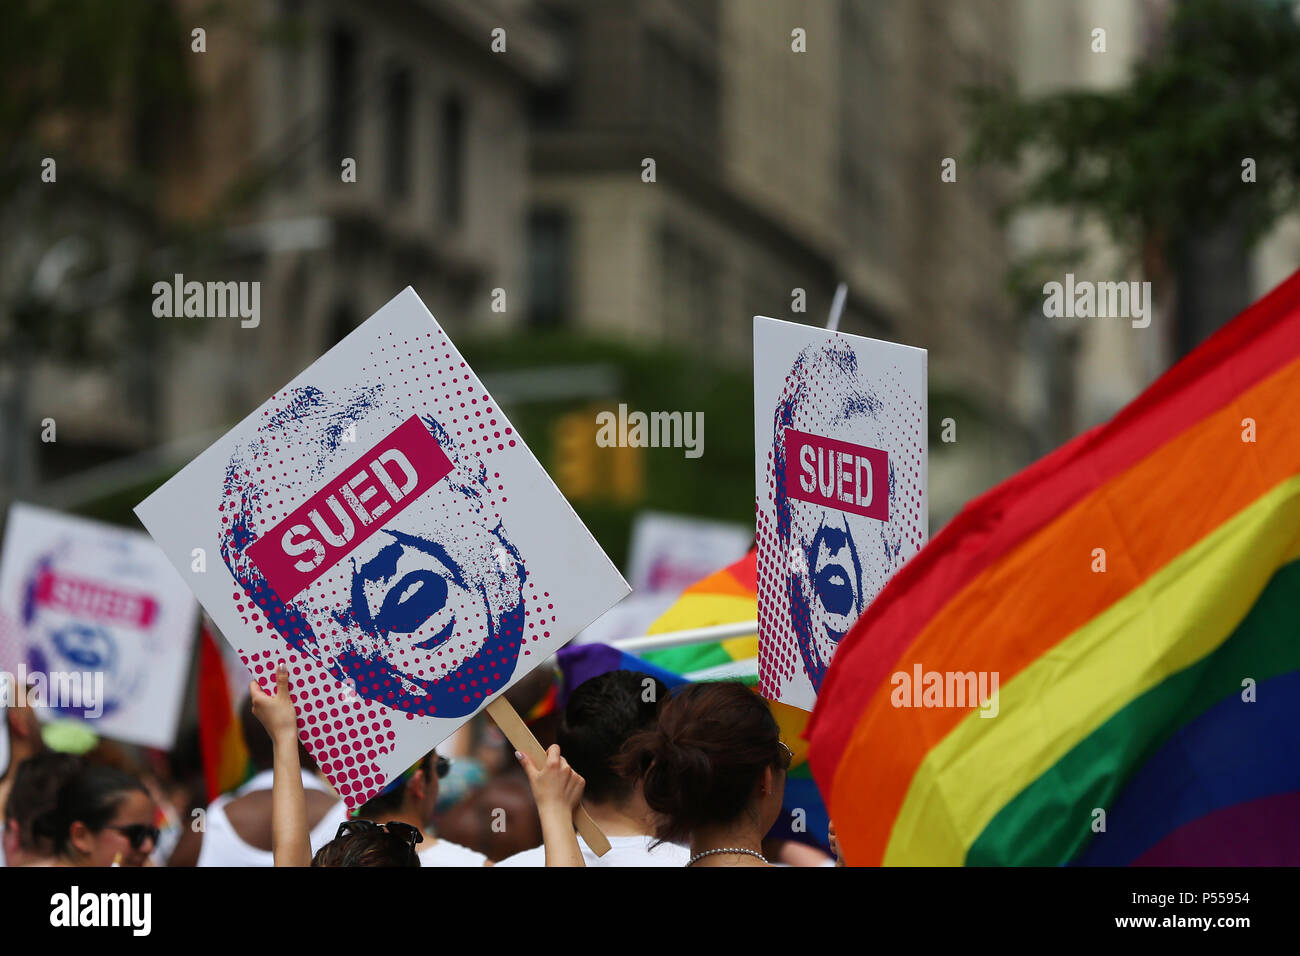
column 236, row 828
column 410, row 799
column 602, row 713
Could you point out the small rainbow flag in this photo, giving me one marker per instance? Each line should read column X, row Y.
column 1137, row 594
column 226, row 762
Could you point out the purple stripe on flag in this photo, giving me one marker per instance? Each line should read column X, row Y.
column 1259, row 832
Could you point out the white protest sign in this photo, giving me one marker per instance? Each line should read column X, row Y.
column 380, row 527
column 840, row 441
column 103, row 626
column 669, row 553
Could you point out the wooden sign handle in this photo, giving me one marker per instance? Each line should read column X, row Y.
column 517, row 732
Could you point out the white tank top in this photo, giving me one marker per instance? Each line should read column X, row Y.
column 222, row 846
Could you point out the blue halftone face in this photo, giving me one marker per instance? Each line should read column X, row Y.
column 824, row 583
column 426, row 615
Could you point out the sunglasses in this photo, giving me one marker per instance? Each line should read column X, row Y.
column 138, row 833
column 403, row 831
column 787, row 756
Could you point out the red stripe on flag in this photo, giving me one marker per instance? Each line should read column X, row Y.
column 221, row 740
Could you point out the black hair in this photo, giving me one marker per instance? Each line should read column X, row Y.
column 369, row 847
column 602, row 713
column 701, row 764
column 90, row 795
column 260, row 749
column 390, row 800
column 35, row 794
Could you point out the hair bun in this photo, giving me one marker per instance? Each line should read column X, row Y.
column 703, row 762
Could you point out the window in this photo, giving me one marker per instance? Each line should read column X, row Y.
column 451, row 195
column 548, row 267
column 397, row 132
column 341, row 98
column 690, row 286
column 288, row 39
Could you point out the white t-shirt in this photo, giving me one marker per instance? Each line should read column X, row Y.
column 445, row 853
column 222, row 846
column 623, row 851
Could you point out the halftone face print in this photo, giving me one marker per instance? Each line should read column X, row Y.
column 425, row 615
column 378, row 526
column 822, row 561
column 824, row 579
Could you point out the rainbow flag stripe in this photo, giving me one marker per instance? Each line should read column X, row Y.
column 1156, row 698
column 226, row 763
column 727, row 596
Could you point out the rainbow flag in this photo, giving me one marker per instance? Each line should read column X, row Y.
column 1137, row 592
column 226, row 762
column 725, row 597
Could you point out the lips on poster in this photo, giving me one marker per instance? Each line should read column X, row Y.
column 100, row 625
column 380, row 527
column 840, row 438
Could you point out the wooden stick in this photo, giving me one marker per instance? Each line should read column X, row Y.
column 517, row 732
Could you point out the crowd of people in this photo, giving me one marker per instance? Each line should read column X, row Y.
column 692, row 777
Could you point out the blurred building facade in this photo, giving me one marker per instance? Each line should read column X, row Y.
column 795, row 145
column 501, row 153
column 436, row 124
column 333, row 153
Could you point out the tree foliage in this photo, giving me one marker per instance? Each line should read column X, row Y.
column 1160, row 157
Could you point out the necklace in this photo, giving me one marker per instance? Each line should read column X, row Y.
column 726, row 849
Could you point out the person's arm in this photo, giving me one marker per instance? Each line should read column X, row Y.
column 187, row 849
column 290, row 835
column 557, row 788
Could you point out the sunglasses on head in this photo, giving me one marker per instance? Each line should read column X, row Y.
column 785, row 757
column 137, row 833
column 403, row 831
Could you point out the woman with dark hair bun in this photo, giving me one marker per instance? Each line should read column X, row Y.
column 714, row 771
column 100, row 817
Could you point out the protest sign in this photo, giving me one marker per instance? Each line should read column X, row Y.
column 669, row 553
column 103, row 626
column 380, row 527
column 840, row 441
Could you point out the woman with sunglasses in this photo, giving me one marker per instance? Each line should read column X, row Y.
column 100, row 817
column 713, row 769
